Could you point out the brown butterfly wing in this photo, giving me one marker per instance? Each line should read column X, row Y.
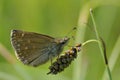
column 29, row 46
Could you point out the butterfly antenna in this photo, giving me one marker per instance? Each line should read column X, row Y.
column 74, row 28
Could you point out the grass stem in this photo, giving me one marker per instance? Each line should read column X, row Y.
column 101, row 45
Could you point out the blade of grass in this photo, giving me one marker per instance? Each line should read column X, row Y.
column 101, row 46
column 79, row 70
column 113, row 58
column 5, row 53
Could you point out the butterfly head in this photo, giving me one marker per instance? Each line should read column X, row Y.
column 64, row 40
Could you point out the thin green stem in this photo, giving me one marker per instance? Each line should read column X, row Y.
column 88, row 41
column 101, row 46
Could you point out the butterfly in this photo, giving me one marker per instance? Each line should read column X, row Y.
column 35, row 49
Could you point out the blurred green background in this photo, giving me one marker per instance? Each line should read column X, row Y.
column 56, row 18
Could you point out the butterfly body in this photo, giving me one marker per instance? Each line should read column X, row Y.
column 35, row 49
